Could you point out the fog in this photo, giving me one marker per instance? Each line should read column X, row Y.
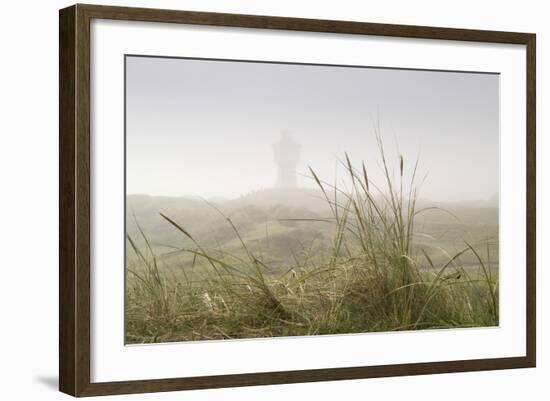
column 207, row 128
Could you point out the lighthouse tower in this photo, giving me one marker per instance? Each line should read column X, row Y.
column 286, row 155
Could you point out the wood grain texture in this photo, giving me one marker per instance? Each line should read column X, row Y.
column 531, row 201
column 301, row 24
column 74, row 199
column 74, row 202
column 301, row 376
column 67, row 290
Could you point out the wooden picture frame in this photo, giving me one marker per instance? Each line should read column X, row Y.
column 74, row 199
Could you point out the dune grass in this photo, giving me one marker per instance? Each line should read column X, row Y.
column 373, row 277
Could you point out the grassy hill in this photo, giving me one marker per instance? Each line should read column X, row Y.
column 281, row 225
column 304, row 262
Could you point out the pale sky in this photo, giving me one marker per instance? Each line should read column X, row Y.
column 200, row 127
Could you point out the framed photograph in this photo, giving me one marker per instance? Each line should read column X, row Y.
column 250, row 200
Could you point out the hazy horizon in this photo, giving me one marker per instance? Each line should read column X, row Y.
column 206, row 128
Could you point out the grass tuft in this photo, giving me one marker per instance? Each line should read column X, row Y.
column 376, row 276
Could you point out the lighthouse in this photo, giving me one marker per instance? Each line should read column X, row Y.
column 286, row 154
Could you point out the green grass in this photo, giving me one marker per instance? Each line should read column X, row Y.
column 377, row 273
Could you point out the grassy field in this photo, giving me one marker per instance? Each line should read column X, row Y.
column 307, row 262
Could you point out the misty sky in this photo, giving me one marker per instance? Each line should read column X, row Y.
column 199, row 127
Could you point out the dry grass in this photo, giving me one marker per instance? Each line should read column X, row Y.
column 372, row 280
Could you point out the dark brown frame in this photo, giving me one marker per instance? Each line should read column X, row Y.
column 74, row 199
